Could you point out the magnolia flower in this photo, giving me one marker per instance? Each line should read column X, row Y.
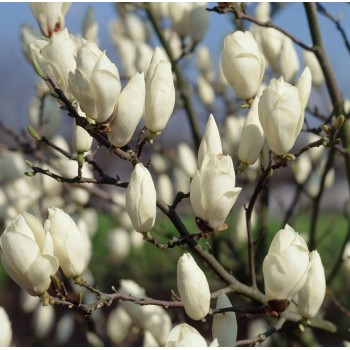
column 128, row 111
column 6, row 329
column 27, row 254
column 242, row 63
column 211, row 141
column 118, row 324
column 193, row 287
column 213, row 192
column 165, row 188
column 12, row 166
column 304, row 86
column 160, row 93
column 141, row 199
column 43, row 321
column 205, row 63
column 198, row 21
column 143, row 57
column 50, row 15
column 118, row 244
column 186, row 158
column 252, row 137
column 206, row 92
column 179, row 17
column 310, row 298
column 69, row 243
column 279, row 52
column 126, row 51
column 184, row 335
column 281, row 115
column 315, row 68
column 95, row 82
column 82, row 140
column 285, row 267
column 56, row 57
column 152, row 318
column 224, row 326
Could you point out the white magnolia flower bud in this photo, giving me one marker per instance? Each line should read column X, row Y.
column 206, row 92
column 205, row 63
column 252, row 137
column 160, row 93
column 82, row 140
column 174, row 41
column 242, row 63
column 198, row 21
column 262, row 11
column 231, row 134
column 187, row 159
column 143, row 57
column 56, row 57
column 118, row 325
column 43, row 321
column 304, row 86
column 179, row 17
column 224, row 326
column 165, row 188
column 184, row 335
column 64, row 328
column 281, row 115
column 27, row 254
column 286, row 265
column 213, row 192
column 280, row 52
column 141, row 199
column 149, row 340
column 315, row 68
column 311, row 296
column 288, row 61
column 69, row 243
column 95, row 83
column 90, row 26
column 118, row 244
column 128, row 112
column 193, row 287
column 50, row 15
column 12, row 166
column 126, row 51
column 157, row 321
column 6, row 329
column 211, row 141
column 134, row 28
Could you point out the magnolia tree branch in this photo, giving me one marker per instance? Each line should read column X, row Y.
column 321, row 9
column 231, row 7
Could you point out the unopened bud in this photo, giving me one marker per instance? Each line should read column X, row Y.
column 339, row 122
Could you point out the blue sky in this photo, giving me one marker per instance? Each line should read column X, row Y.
column 18, row 78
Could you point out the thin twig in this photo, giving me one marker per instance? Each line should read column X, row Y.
column 229, row 7
column 321, row 9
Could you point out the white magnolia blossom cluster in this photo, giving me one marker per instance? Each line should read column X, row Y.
column 195, row 294
column 153, row 320
column 213, row 192
column 290, row 271
column 32, row 252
